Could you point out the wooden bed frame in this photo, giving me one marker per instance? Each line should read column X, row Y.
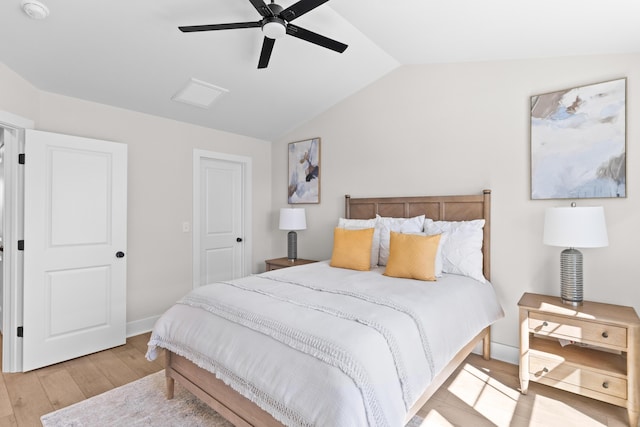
column 242, row 412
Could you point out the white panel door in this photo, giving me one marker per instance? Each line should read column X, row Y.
column 221, row 220
column 75, row 237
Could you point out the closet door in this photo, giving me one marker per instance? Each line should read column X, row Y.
column 75, row 239
column 220, row 227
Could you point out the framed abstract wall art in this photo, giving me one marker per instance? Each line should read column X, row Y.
column 578, row 142
column 304, row 172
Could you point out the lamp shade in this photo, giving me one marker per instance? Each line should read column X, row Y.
column 575, row 227
column 292, row 219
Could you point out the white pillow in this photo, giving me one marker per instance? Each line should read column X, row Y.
column 462, row 249
column 399, row 225
column 358, row 224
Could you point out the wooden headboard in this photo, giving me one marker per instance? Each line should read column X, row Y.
column 438, row 208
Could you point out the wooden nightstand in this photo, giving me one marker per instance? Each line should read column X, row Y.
column 604, row 363
column 277, row 263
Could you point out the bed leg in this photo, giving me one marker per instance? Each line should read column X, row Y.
column 170, row 382
column 170, row 386
column 486, row 345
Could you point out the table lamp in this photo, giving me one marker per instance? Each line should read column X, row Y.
column 574, row 227
column 292, row 219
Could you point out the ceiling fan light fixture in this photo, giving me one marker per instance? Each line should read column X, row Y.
column 274, row 28
column 34, row 9
column 275, row 23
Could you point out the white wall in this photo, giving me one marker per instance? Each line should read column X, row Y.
column 457, row 129
column 428, row 129
column 18, row 96
column 159, row 266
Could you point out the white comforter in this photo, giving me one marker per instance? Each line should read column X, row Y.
column 321, row 346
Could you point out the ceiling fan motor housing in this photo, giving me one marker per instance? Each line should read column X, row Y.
column 274, row 27
column 275, row 8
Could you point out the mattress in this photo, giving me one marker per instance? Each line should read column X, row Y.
column 316, row 345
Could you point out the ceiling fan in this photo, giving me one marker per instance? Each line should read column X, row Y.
column 275, row 23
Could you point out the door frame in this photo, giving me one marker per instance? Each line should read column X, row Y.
column 13, row 126
column 246, row 167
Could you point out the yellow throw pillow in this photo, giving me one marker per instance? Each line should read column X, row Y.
column 412, row 256
column 352, row 248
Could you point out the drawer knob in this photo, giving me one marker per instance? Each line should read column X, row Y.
column 545, row 370
column 545, row 324
column 605, row 334
column 605, row 385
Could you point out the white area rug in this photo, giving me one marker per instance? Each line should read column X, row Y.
column 140, row 403
column 143, row 403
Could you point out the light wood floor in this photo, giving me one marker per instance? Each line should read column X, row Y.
column 478, row 394
column 25, row 397
column 486, row 393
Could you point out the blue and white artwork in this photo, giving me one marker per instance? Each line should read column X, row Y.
column 304, row 171
column 578, row 142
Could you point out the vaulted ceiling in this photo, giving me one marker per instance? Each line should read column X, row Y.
column 130, row 54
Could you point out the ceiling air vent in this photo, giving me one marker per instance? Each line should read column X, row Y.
column 199, row 94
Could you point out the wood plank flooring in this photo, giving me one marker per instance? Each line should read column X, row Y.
column 480, row 393
column 487, row 393
column 25, row 397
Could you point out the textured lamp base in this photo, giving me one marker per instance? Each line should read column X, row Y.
column 571, row 277
column 292, row 246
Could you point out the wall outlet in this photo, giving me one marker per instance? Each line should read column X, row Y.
column 186, row 227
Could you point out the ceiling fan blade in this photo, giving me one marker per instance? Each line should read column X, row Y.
column 311, row 37
column 265, row 55
column 300, row 8
column 261, row 7
column 212, row 27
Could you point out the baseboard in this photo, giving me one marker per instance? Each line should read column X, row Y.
column 142, row 326
column 505, row 353
column 502, row 352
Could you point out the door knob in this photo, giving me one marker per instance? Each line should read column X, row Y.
column 239, row 239
column 119, row 254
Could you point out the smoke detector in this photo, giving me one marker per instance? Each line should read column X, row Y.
column 34, row 9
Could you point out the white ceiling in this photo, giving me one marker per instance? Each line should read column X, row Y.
column 130, row 54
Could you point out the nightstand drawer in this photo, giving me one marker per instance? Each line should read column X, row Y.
column 578, row 330
column 555, row 369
